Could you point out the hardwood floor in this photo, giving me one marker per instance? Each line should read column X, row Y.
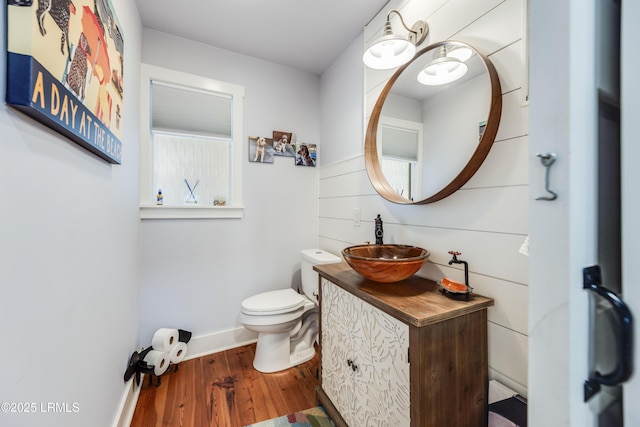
column 223, row 389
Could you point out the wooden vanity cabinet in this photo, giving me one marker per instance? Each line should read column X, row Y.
column 400, row 354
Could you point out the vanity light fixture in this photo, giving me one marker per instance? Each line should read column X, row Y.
column 442, row 70
column 391, row 50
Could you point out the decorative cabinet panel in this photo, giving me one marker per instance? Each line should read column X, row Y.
column 365, row 367
column 400, row 354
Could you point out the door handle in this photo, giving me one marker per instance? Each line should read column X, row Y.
column 592, row 281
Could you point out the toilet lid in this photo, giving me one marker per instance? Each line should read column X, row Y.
column 273, row 302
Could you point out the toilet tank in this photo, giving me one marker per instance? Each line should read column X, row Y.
column 309, row 258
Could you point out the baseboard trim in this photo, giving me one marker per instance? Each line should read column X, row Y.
column 219, row 341
column 127, row 404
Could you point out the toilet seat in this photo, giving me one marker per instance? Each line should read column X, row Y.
column 273, row 302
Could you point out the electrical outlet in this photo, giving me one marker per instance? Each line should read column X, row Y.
column 356, row 217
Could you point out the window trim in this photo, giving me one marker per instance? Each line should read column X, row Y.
column 148, row 210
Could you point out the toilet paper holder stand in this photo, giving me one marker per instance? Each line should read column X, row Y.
column 137, row 365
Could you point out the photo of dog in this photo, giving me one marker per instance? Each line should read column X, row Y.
column 260, row 144
column 306, row 154
column 283, row 143
column 261, row 149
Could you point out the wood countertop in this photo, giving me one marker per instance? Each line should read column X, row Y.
column 416, row 301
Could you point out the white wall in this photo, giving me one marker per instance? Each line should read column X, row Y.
column 68, row 261
column 550, row 357
column 448, row 148
column 195, row 273
column 487, row 220
column 342, row 103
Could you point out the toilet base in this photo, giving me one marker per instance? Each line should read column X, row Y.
column 302, row 353
column 279, row 351
column 276, row 352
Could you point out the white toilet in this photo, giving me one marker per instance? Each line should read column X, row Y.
column 286, row 321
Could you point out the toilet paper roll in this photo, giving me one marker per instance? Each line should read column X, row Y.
column 178, row 353
column 159, row 360
column 164, row 339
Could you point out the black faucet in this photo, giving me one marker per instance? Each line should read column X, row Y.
column 455, row 260
column 379, row 232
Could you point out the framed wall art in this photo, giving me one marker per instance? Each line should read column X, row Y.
column 65, row 62
column 261, row 149
column 306, row 154
column 284, row 143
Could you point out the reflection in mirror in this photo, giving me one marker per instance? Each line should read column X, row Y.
column 425, row 141
column 401, row 154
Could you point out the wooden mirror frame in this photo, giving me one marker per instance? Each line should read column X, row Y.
column 372, row 163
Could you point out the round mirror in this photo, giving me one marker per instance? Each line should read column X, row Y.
column 433, row 124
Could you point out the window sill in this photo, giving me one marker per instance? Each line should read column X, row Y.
column 190, row 212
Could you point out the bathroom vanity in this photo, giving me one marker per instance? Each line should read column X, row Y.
column 400, row 354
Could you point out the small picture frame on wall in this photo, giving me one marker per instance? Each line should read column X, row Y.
column 284, row 143
column 306, row 154
column 261, row 149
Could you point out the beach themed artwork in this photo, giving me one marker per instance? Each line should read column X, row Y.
column 65, row 69
column 306, row 154
column 261, row 149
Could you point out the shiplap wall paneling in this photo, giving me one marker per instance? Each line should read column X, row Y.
column 487, row 220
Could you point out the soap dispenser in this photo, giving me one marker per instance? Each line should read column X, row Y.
column 378, row 232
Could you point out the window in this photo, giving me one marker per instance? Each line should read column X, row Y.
column 191, row 146
column 400, row 152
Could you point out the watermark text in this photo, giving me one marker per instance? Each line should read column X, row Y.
column 39, row 407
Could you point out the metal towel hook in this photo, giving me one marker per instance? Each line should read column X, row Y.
column 547, row 160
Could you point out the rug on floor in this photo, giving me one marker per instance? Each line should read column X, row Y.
column 313, row 417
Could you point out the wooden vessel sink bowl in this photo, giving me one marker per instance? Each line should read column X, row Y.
column 385, row 263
